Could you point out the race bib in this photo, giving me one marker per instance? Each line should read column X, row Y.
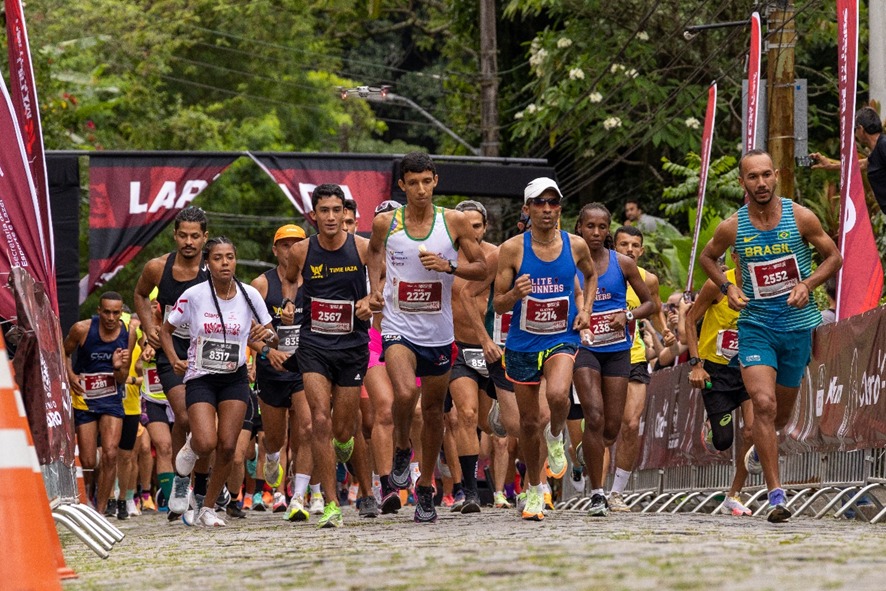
column 544, row 317
column 151, row 380
column 501, row 324
column 727, row 343
column 420, row 298
column 475, row 359
column 98, row 385
column 215, row 356
column 332, row 316
column 182, row 331
column 603, row 332
column 288, row 336
column 774, row 278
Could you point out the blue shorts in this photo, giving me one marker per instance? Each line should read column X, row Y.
column 528, row 368
column 787, row 352
column 429, row 361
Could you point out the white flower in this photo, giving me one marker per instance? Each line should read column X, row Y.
column 615, row 68
column 632, row 73
column 611, row 123
column 576, row 74
column 595, row 97
column 518, row 115
column 589, row 153
column 643, row 36
column 531, row 108
column 692, row 123
column 538, row 57
column 564, row 42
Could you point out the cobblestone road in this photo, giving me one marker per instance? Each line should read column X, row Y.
column 492, row 550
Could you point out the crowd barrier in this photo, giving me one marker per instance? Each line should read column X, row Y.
column 832, row 455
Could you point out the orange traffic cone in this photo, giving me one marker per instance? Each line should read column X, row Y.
column 28, row 563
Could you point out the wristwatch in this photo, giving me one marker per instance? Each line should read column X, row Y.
column 693, row 361
column 724, row 288
column 264, row 352
column 629, row 315
column 453, row 267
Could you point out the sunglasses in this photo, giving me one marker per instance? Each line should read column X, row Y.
column 541, row 201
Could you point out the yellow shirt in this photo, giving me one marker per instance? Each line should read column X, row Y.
column 719, row 327
column 638, row 350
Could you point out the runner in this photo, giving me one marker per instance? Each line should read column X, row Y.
column 629, row 242
column 415, row 248
column 602, row 370
column 536, row 279
column 333, row 344
column 721, row 387
column 772, row 237
column 97, row 378
column 349, row 224
column 217, row 313
column 281, row 393
column 172, row 274
column 127, row 461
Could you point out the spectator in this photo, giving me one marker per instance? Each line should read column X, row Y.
column 869, row 133
column 829, row 316
column 646, row 223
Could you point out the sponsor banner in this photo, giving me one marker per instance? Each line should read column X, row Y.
column 707, row 138
column 860, row 281
column 23, row 92
column 133, row 198
column 753, row 102
column 40, row 372
column 366, row 180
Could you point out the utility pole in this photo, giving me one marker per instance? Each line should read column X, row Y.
column 488, row 80
column 781, row 41
column 877, row 53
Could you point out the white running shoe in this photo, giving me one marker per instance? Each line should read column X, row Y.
column 132, row 508
column 752, row 461
column 735, row 506
column 273, row 472
column 178, row 503
column 208, row 518
column 185, row 458
column 317, row 504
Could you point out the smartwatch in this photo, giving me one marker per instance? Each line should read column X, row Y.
column 693, row 361
column 264, row 352
column 724, row 288
column 629, row 315
column 453, row 267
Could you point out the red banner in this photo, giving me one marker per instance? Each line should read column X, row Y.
column 365, row 180
column 131, row 200
column 753, row 102
column 707, row 138
column 23, row 91
column 860, row 281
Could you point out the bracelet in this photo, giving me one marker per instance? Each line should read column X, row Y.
column 806, row 285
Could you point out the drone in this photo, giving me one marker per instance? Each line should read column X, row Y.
column 365, row 91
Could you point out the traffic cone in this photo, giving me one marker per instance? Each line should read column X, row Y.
column 28, row 562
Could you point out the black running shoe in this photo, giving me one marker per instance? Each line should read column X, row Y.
column 400, row 476
column 369, row 507
column 122, row 512
column 391, row 502
column 472, row 503
column 172, row 516
column 232, row 510
column 424, row 506
column 778, row 513
column 111, row 508
column 599, row 506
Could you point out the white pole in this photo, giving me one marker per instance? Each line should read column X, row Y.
column 877, row 53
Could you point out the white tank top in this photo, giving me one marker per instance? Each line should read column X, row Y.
column 418, row 302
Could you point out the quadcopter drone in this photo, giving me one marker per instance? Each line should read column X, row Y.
column 365, row 91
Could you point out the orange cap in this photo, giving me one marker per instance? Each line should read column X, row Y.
column 289, row 231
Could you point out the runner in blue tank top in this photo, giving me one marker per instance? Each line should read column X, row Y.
column 536, row 280
column 771, row 236
column 602, row 370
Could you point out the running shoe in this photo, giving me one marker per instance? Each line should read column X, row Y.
column 400, row 473
column 148, row 504
column 617, row 503
column 189, row 517
column 353, row 491
column 111, row 508
column 233, row 511
column 556, row 467
column 224, row 497
column 752, row 461
column 391, row 503
column 344, row 450
column 500, row 501
column 599, row 507
column 734, row 505
column 178, row 503
column 424, row 506
column 258, row 503
column 296, row 510
column 447, row 501
column 578, row 480
column 548, row 501
column 535, row 506
column 207, row 518
column 318, row 505
column 185, row 458
column 279, row 502
column 520, row 501
column 494, row 419
column 472, row 503
column 268, row 499
column 778, row 511
column 707, row 438
column 273, row 472
column 332, row 517
column 132, row 508
column 368, row 507
column 247, row 502
column 252, row 466
column 458, row 502
column 122, row 512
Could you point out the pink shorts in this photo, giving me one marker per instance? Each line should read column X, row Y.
column 375, row 351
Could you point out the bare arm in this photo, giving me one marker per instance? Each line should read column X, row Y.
column 178, row 365
column 708, row 295
column 141, row 299
column 724, row 237
column 475, row 269
column 471, row 302
column 811, row 230
column 72, row 341
column 508, row 290
column 375, row 259
column 586, row 266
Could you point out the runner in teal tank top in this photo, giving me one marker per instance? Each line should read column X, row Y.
column 771, row 236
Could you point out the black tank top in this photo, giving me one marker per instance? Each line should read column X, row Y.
column 333, row 281
column 273, row 299
column 169, row 290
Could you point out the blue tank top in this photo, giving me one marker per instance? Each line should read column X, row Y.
column 772, row 262
column 544, row 318
column 96, row 356
column 612, row 295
